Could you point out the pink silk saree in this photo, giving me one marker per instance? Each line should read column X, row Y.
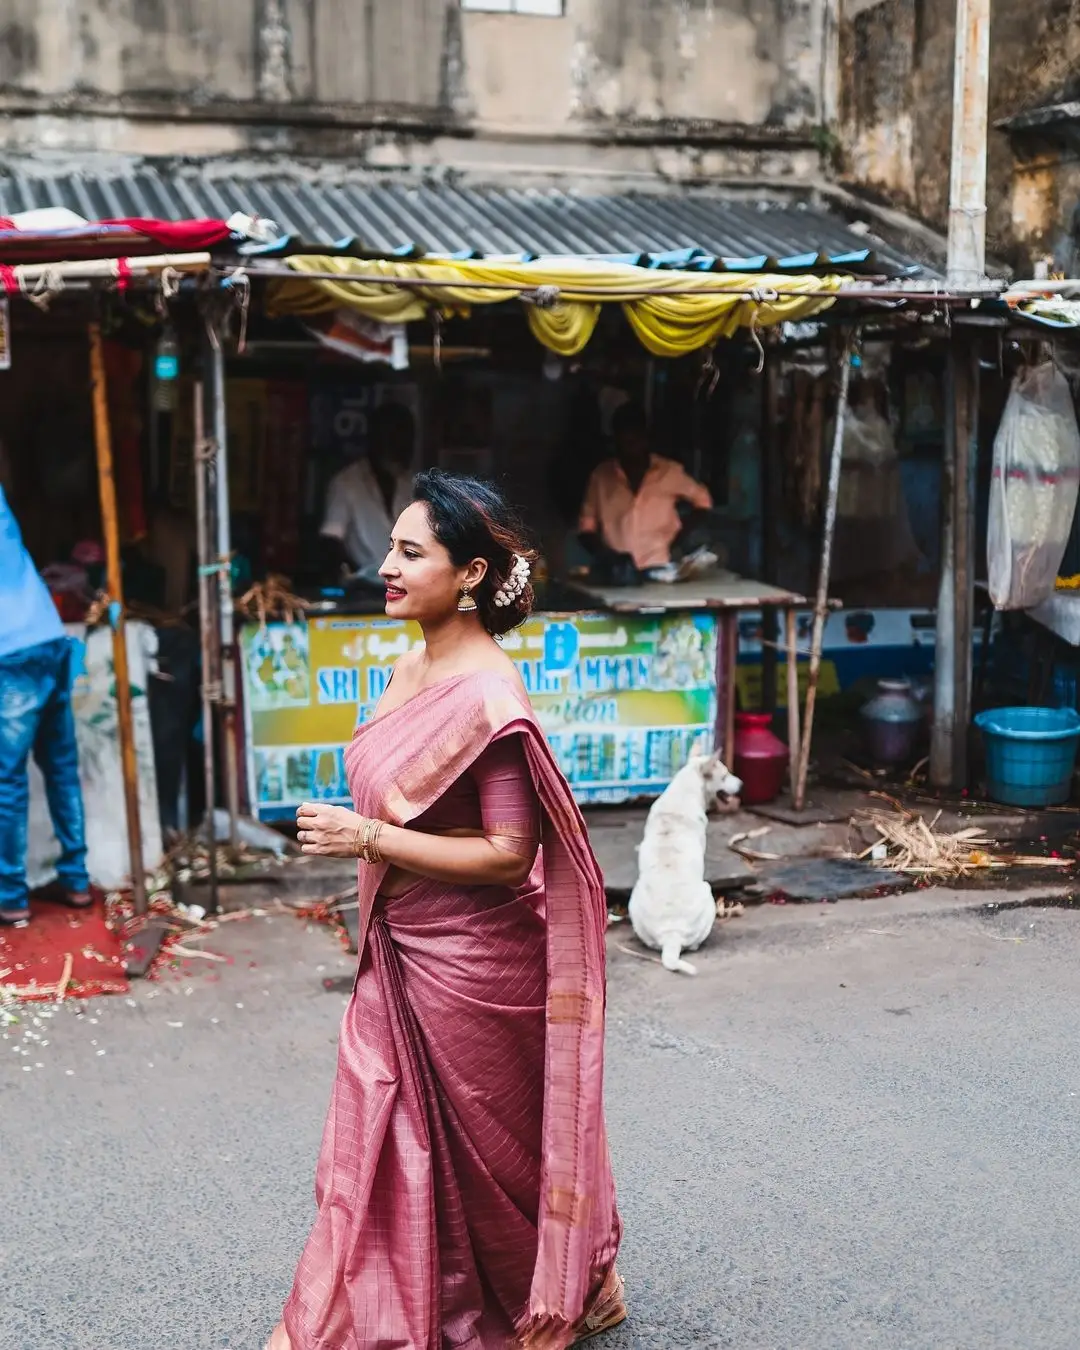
column 464, row 1187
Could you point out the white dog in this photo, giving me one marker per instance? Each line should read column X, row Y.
column 672, row 907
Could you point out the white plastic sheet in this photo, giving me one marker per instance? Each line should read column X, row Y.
column 97, row 731
column 1034, row 488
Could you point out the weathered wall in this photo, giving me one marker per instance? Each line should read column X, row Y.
column 421, row 80
column 896, row 97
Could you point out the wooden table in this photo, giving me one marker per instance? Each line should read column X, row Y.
column 728, row 595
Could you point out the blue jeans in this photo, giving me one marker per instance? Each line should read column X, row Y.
column 35, row 715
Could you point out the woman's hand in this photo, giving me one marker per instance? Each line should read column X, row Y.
column 329, row 831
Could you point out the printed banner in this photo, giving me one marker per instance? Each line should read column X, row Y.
column 624, row 701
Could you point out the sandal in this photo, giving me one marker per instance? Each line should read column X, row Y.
column 607, row 1312
column 58, row 894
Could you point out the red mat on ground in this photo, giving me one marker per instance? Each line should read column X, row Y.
column 62, row 952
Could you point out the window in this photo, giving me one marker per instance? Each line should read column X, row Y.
column 550, row 8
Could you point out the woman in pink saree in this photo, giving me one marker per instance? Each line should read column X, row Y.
column 464, row 1187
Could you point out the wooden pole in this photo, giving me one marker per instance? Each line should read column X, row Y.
column 110, row 526
column 729, row 627
column 821, row 604
column 771, row 508
column 956, row 591
column 966, row 432
column 794, row 735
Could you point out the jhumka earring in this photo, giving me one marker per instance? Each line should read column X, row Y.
column 466, row 605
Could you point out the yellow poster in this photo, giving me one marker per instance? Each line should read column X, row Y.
column 623, row 700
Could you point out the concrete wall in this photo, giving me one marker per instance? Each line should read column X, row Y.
column 896, row 61
column 686, row 86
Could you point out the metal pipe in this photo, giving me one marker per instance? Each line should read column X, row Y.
column 225, row 597
column 821, row 603
column 110, row 526
column 209, row 688
column 967, row 182
column 931, row 292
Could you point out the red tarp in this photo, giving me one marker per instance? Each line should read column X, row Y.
column 77, row 943
column 109, row 239
column 178, row 236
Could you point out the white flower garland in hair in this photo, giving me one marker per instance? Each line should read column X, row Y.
column 514, row 584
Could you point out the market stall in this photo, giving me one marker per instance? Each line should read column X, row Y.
column 259, row 379
column 627, row 681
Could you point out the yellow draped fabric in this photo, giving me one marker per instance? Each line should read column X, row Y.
column 672, row 313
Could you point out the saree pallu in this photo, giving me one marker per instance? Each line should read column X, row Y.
column 464, row 1184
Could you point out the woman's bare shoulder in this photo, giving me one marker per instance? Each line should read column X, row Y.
column 404, row 664
column 497, row 663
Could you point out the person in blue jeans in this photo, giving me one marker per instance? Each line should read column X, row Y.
column 35, row 718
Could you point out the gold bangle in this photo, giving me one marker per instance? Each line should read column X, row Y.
column 366, row 840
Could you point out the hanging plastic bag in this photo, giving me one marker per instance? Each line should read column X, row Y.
column 1034, row 488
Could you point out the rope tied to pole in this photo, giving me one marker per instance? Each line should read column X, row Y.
column 239, row 280
column 756, row 339
column 544, row 297
column 170, row 283
column 49, row 283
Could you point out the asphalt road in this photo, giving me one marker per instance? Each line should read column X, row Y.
column 855, row 1130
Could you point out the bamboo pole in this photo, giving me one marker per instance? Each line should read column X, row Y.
column 110, row 526
column 105, row 269
column 821, row 603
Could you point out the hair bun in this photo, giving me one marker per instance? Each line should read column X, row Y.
column 472, row 519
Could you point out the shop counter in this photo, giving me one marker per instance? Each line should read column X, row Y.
column 720, row 598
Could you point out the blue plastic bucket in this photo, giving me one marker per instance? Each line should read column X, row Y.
column 1030, row 754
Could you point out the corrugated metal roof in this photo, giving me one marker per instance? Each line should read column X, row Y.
column 379, row 214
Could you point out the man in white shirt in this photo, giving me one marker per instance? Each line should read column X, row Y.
column 366, row 498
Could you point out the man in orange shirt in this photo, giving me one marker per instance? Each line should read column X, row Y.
column 631, row 506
